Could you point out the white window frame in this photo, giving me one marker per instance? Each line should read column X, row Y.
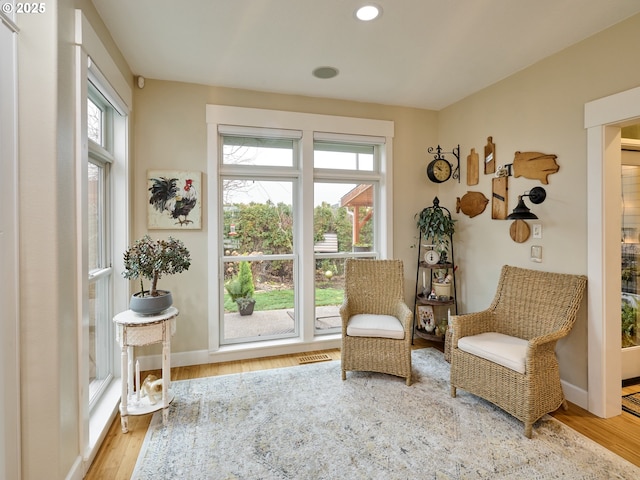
column 10, row 431
column 102, row 156
column 94, row 63
column 217, row 117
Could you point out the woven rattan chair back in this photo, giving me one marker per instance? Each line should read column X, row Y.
column 373, row 286
column 530, row 303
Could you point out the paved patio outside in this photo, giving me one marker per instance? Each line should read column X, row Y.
column 275, row 322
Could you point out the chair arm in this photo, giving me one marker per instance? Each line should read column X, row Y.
column 345, row 314
column 470, row 324
column 544, row 339
column 403, row 313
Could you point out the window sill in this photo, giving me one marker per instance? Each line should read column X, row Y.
column 101, row 418
column 243, row 351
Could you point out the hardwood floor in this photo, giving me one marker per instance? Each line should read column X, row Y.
column 117, row 455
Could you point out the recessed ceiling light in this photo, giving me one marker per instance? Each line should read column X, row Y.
column 368, row 12
column 325, row 72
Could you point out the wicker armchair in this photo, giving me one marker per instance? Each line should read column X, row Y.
column 376, row 323
column 530, row 312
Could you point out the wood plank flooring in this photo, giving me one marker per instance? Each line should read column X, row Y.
column 118, row 454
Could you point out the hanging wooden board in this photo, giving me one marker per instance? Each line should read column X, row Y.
column 535, row 165
column 519, row 231
column 500, row 187
column 472, row 167
column 471, row 203
column 489, row 156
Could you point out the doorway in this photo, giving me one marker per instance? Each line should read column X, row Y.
column 630, row 252
column 604, row 119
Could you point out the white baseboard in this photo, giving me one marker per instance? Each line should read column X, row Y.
column 575, row 394
column 76, row 471
column 245, row 351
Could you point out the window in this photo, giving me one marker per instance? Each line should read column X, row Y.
column 344, row 219
column 100, row 271
column 258, row 231
column 103, row 99
column 290, row 202
column 95, row 122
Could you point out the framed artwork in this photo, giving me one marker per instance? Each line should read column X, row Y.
column 175, row 200
column 426, row 319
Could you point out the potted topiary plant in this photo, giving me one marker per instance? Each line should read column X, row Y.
column 152, row 259
column 241, row 289
column 435, row 223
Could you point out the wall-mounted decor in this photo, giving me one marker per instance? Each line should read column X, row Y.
column 535, row 165
column 471, row 204
column 536, row 196
column 499, row 190
column 489, row 156
column 174, row 200
column 440, row 169
column 472, row 167
column 519, row 231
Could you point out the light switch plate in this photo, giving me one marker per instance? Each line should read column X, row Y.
column 536, row 253
column 537, row 230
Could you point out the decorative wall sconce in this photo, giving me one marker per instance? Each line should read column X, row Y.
column 521, row 212
column 440, row 169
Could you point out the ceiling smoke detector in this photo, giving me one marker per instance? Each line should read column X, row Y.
column 325, row 72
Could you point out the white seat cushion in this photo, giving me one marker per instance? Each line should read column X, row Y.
column 510, row 352
column 369, row 325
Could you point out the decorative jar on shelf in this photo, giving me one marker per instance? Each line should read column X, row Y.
column 442, row 289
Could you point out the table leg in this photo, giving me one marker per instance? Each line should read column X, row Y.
column 124, row 366
column 166, row 370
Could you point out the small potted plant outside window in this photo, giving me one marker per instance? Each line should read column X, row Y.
column 241, row 289
column 362, row 247
column 153, row 259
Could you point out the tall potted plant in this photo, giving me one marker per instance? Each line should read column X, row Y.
column 241, row 289
column 153, row 259
column 435, row 223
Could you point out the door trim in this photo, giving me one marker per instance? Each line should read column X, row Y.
column 603, row 120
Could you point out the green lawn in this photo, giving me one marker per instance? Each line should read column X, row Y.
column 283, row 299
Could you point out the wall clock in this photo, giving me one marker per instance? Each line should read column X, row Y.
column 439, row 170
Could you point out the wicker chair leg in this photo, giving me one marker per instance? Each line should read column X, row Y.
column 528, row 429
column 409, row 380
column 565, row 405
column 453, row 391
column 344, row 374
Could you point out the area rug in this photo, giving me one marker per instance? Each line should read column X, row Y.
column 304, row 422
column 631, row 403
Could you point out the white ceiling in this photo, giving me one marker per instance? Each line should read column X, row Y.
column 419, row 53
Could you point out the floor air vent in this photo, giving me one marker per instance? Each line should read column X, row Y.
column 322, row 357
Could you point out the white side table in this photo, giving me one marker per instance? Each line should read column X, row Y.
column 133, row 330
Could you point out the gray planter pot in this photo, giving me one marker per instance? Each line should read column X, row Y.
column 151, row 305
column 246, row 308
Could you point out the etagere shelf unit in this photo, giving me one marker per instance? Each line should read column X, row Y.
column 436, row 294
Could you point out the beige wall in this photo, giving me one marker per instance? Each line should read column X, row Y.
column 539, row 109
column 170, row 132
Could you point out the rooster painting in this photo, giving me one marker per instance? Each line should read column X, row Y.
column 172, row 200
